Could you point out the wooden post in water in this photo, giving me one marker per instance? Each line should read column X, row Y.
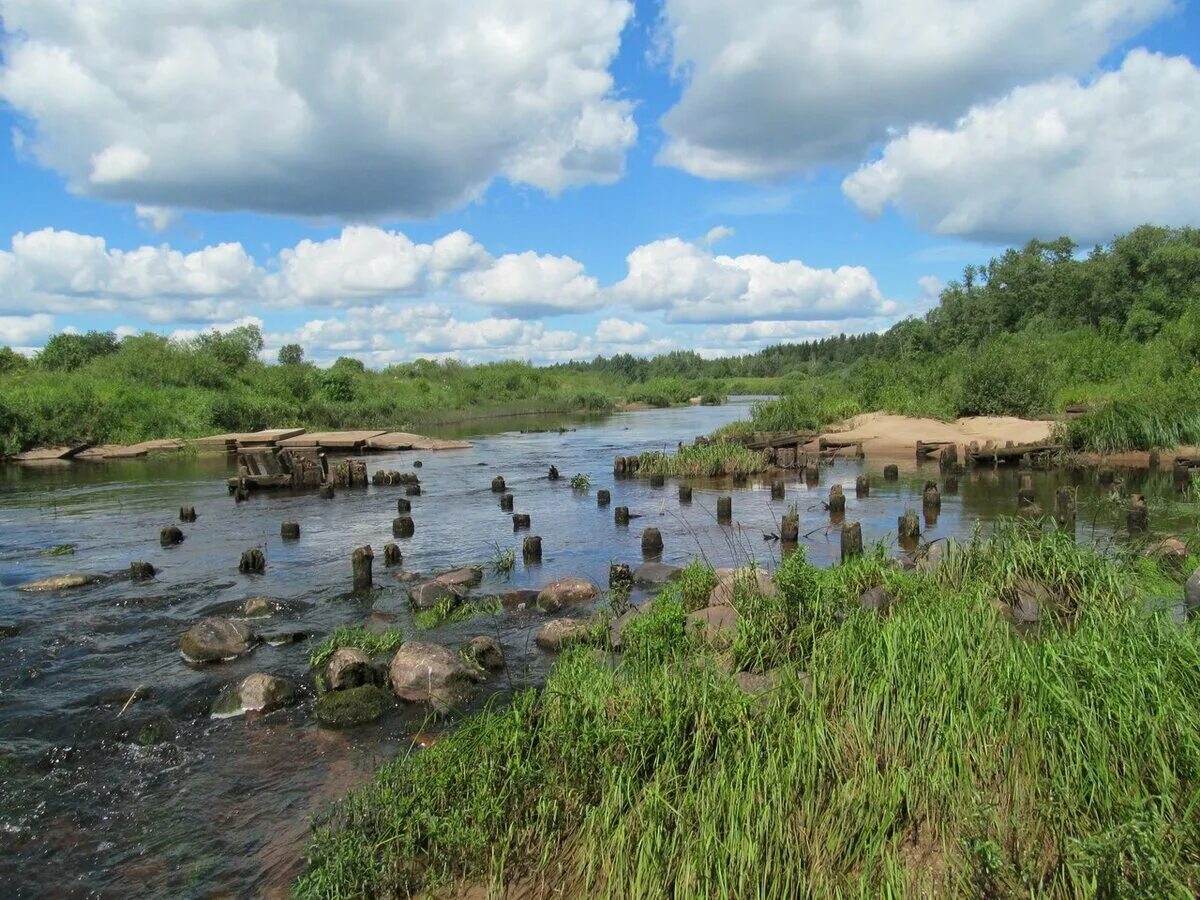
column 521, row 522
column 685, row 493
column 361, row 561
column 603, row 498
column 253, row 562
column 403, row 526
column 1105, row 475
column 621, row 515
column 852, row 540
column 619, row 466
column 837, row 499
column 290, row 531
column 909, row 526
column 187, row 514
column 812, row 475
column 553, row 474
column 619, row 575
column 652, row 542
column 862, row 486
column 1025, row 492
column 403, row 505
column 724, row 510
column 413, row 490
column 891, row 472
column 1154, row 460
column 931, row 498
column 170, row 536
column 141, row 571
column 391, row 554
column 1064, row 509
column 1138, row 515
column 789, row 529
column 506, row 502
column 778, row 490
column 531, row 549
column 326, row 492
column 657, row 480
column 498, row 484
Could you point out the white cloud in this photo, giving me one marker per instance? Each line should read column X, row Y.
column 532, row 284
column 187, row 334
column 1059, row 157
column 365, row 261
column 619, row 331
column 156, row 218
column 524, row 338
column 692, row 285
column 718, row 233
column 349, row 110
column 23, row 330
column 780, row 86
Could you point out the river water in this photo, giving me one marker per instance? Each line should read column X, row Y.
column 101, row 796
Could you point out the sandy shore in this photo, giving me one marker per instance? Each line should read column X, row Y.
column 888, row 435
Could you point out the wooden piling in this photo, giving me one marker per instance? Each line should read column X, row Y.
column 403, row 527
column 498, row 485
column 170, row 536
column 391, row 554
column 1064, row 509
column 506, row 502
column 187, row 514
column 652, row 542
column 531, row 549
column 1105, row 475
column 812, row 475
column 603, row 498
column 619, row 575
column 290, row 531
column 253, row 562
column 413, row 490
column 778, row 490
column 789, row 529
column 361, row 561
column 1137, row 516
column 403, row 505
column 837, row 499
column 931, row 498
column 657, row 481
column 891, row 472
column 685, row 493
column 724, row 510
column 862, row 486
column 908, row 526
column 621, row 515
column 521, row 521
column 141, row 571
column 1154, row 460
column 553, row 474
column 619, row 466
column 852, row 540
column 326, row 492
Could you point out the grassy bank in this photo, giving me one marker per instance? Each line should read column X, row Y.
column 931, row 749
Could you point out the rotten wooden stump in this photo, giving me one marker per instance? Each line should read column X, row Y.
column 852, row 540
column 392, row 555
column 361, row 562
column 170, row 536
column 652, row 542
column 724, row 510
column 290, row 531
column 531, row 549
column 253, row 562
column 187, row 514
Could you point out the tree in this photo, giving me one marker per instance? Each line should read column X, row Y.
column 11, row 360
column 64, row 352
column 291, row 355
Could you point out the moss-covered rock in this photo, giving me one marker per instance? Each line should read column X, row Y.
column 356, row 706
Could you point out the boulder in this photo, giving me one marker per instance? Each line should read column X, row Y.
column 728, row 580
column 259, row 692
column 931, row 556
column 558, row 594
column 429, row 594
column 57, row 583
column 257, row 608
column 876, row 598
column 461, row 578
column 431, row 673
column 1030, row 598
column 616, row 631
column 715, row 625
column 519, row 599
column 354, row 706
column 558, row 633
column 1191, row 592
column 215, row 639
column 655, row 574
column 1170, row 548
column 9, row 629
column 349, row 668
column 756, row 684
column 485, row 652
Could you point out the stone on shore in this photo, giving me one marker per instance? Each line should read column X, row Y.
column 559, row 633
column 215, row 639
column 655, row 574
column 430, row 593
column 258, row 692
column 484, row 651
column 464, row 578
column 876, row 598
column 433, row 674
column 730, row 581
column 716, row 625
column 1191, row 592
column 57, row 583
column 558, row 594
column 351, row 707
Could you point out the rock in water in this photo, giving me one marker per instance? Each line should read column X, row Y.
column 215, row 639
column 354, row 706
column 257, row 608
column 429, row 594
column 350, row 668
column 558, row 633
column 465, row 577
column 653, row 574
column 259, row 692
column 558, row 594
column 484, row 651
column 57, row 583
column 431, row 673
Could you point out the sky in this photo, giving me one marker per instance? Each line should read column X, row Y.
column 556, row 179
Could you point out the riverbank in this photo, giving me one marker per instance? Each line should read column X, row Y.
column 975, row 726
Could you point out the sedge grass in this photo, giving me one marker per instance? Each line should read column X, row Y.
column 704, row 461
column 370, row 642
column 929, row 751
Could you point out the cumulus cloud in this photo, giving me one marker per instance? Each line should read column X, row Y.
column 510, row 334
column 532, row 284
column 1059, row 157
column 21, row 331
column 619, row 331
column 369, row 262
column 780, row 85
column 692, row 285
column 352, row 110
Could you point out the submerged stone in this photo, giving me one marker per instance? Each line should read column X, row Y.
column 258, row 692
column 558, row 594
column 1191, row 592
column 559, row 633
column 215, row 639
column 57, row 583
column 349, row 668
column 876, row 598
column 655, row 574
column 429, row 594
column 484, row 651
column 351, row 707
column 465, row 577
column 257, row 607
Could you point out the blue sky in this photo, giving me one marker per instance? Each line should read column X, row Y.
column 613, row 177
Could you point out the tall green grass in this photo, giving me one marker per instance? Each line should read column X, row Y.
column 705, row 461
column 932, row 750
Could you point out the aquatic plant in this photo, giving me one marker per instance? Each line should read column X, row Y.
column 358, row 637
column 929, row 750
column 704, row 461
column 450, row 609
column 580, row 482
column 504, row 560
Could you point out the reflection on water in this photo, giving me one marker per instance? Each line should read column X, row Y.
column 103, row 796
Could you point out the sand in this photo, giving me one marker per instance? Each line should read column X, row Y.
column 887, row 435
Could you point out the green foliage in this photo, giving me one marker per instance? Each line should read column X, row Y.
column 359, row 638
column 504, row 560
column 11, row 361
column 67, row 352
column 930, row 751
column 449, row 610
column 291, row 355
column 580, row 482
column 705, row 461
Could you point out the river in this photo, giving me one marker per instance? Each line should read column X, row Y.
column 102, row 796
